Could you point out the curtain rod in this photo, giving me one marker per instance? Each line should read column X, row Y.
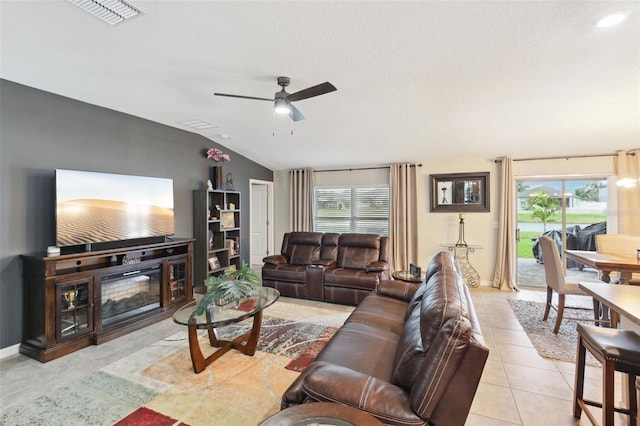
column 360, row 168
column 564, row 157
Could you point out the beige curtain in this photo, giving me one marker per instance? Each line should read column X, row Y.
column 301, row 200
column 505, row 271
column 628, row 170
column 403, row 216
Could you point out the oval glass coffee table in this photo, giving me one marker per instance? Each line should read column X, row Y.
column 217, row 316
column 321, row 414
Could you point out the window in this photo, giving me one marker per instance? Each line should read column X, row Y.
column 363, row 210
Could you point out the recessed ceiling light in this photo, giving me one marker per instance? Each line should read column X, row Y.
column 611, row 20
column 199, row 124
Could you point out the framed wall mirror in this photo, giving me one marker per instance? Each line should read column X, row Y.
column 460, row 192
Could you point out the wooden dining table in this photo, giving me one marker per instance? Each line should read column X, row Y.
column 606, row 263
column 624, row 299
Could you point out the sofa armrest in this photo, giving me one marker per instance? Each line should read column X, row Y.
column 327, row 263
column 377, row 266
column 399, row 289
column 381, row 399
column 276, row 259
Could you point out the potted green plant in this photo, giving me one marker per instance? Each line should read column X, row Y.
column 245, row 273
column 234, row 285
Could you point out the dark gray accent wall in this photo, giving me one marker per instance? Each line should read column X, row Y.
column 41, row 132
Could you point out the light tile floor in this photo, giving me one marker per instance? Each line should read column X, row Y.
column 518, row 386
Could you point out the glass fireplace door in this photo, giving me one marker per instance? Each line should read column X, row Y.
column 127, row 294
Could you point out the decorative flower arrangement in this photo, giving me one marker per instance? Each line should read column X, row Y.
column 217, row 155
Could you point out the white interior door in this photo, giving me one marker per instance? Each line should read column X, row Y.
column 261, row 228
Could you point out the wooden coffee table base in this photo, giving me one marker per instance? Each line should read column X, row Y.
column 247, row 344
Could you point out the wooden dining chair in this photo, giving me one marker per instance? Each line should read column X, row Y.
column 556, row 283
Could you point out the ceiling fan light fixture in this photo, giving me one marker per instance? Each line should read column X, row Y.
column 281, row 106
column 611, row 20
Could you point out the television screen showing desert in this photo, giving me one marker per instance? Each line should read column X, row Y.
column 100, row 207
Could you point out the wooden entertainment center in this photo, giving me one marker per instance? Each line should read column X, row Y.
column 75, row 300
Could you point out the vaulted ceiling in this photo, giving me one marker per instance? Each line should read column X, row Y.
column 418, row 80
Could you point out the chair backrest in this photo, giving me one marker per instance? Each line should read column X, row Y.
column 552, row 263
column 625, row 245
column 356, row 251
column 302, row 248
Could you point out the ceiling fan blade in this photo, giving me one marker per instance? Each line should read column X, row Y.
column 296, row 115
column 310, row 92
column 244, row 97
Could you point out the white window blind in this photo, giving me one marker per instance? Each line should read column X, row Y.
column 363, row 210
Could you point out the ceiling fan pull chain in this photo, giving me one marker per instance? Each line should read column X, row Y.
column 273, row 123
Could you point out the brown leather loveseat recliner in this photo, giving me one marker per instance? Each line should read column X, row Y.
column 407, row 355
column 340, row 268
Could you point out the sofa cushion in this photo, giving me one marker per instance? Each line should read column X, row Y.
column 441, row 302
column 377, row 397
column 440, row 365
column 437, row 263
column 293, row 273
column 303, row 247
column 438, row 300
column 329, row 249
column 350, row 278
column 275, row 259
column 356, row 251
column 377, row 266
column 304, row 254
column 362, row 348
column 409, row 352
column 382, row 312
column 397, row 289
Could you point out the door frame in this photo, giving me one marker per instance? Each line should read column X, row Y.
column 269, row 214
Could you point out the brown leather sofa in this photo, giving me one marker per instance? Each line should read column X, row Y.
column 408, row 354
column 340, row 268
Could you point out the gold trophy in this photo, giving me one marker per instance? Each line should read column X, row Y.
column 70, row 296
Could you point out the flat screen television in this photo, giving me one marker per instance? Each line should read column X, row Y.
column 94, row 207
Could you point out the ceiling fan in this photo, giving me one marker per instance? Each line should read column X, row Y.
column 282, row 99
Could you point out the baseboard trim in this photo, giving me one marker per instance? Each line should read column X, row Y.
column 10, row 351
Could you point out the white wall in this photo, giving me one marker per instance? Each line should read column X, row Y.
column 438, row 228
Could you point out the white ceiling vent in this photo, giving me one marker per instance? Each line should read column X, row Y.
column 110, row 11
column 199, row 124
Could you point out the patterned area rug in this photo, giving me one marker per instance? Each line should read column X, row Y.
column 223, row 393
column 562, row 346
column 157, row 385
column 146, row 417
column 97, row 399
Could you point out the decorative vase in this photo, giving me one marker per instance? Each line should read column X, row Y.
column 215, row 175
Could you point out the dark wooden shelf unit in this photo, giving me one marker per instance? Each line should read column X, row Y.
column 216, row 229
column 64, row 308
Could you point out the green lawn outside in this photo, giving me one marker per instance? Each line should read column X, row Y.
column 525, row 245
column 525, row 216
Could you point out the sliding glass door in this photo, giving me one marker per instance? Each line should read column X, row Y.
column 570, row 211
